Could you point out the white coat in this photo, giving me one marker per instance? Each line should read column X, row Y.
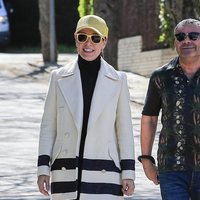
column 109, row 145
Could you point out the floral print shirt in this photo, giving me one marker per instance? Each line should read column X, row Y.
column 179, row 100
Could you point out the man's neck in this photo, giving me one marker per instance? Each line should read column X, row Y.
column 190, row 66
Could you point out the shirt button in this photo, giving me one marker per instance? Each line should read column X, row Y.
column 103, row 171
column 178, row 144
column 63, row 168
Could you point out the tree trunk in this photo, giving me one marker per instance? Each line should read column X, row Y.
column 174, row 9
column 109, row 11
column 44, row 30
column 191, row 9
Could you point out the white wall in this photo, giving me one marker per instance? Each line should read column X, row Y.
column 131, row 57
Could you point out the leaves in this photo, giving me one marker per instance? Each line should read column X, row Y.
column 85, row 7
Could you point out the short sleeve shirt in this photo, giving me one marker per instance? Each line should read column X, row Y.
column 179, row 100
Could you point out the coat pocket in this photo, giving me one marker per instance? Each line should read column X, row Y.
column 56, row 150
column 58, row 140
column 114, row 154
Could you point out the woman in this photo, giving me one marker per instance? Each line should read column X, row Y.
column 86, row 140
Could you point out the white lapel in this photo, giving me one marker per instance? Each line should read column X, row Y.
column 71, row 88
column 105, row 89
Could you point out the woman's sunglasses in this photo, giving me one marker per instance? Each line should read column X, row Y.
column 192, row 36
column 82, row 37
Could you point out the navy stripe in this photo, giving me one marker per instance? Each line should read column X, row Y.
column 67, row 163
column 43, row 160
column 101, row 188
column 63, row 187
column 98, row 165
column 127, row 164
column 88, row 164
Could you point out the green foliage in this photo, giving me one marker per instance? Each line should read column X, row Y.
column 81, row 8
column 166, row 26
column 91, row 7
column 85, row 7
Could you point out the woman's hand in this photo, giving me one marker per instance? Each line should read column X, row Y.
column 128, row 187
column 43, row 184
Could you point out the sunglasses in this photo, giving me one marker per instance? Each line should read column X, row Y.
column 82, row 37
column 192, row 36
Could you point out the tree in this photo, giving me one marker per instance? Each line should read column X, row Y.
column 140, row 18
column 44, row 27
column 109, row 11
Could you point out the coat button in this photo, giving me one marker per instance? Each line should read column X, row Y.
column 103, row 171
column 65, row 151
column 66, row 134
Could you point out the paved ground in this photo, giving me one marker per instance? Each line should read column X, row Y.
column 23, row 85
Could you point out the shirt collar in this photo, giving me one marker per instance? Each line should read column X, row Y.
column 173, row 64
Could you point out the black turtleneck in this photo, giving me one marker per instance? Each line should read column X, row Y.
column 89, row 72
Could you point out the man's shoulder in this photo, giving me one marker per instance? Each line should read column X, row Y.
column 166, row 68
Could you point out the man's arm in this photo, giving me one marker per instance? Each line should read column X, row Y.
column 148, row 130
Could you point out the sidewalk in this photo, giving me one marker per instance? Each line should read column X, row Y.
column 23, row 86
column 29, row 64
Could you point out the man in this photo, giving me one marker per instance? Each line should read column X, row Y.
column 175, row 89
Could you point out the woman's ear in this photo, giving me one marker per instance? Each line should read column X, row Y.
column 75, row 39
column 104, row 42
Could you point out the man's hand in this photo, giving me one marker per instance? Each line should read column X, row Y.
column 150, row 170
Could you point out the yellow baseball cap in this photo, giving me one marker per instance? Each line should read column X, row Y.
column 93, row 22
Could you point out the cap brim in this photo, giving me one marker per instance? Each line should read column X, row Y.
column 89, row 27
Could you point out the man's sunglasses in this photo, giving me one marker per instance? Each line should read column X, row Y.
column 82, row 37
column 192, row 36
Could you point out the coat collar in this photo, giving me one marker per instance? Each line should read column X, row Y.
column 172, row 64
column 69, row 81
column 105, row 89
column 72, row 68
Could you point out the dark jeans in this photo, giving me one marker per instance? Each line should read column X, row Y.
column 180, row 185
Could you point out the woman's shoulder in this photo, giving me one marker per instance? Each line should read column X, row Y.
column 112, row 71
column 66, row 70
